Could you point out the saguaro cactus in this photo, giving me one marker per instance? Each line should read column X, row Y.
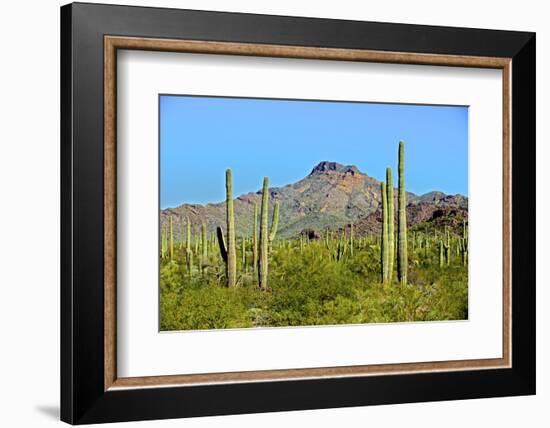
column 163, row 242
column 243, row 241
column 264, row 237
column 402, row 259
column 212, row 242
column 351, row 240
column 204, row 239
column 464, row 243
column 339, row 254
column 231, row 265
column 391, row 219
column 188, row 235
column 171, row 240
column 384, row 250
column 426, row 242
column 255, row 240
column 188, row 251
column 343, row 242
column 441, row 254
column 447, row 247
column 274, row 224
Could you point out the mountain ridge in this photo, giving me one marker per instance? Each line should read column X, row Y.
column 331, row 196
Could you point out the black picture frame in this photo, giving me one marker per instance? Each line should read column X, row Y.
column 83, row 398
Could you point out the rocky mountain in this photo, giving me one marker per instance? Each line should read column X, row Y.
column 331, row 196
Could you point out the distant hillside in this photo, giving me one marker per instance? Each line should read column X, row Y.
column 420, row 215
column 331, row 196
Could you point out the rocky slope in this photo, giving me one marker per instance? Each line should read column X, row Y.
column 422, row 215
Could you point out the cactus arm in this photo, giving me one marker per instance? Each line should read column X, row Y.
column 221, row 244
column 274, row 223
column 447, row 246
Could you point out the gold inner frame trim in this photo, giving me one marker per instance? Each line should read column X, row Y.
column 113, row 43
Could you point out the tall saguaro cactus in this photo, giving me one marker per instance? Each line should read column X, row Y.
column 391, row 219
column 255, row 240
column 231, row 265
column 264, row 237
column 274, row 224
column 402, row 260
column 384, row 250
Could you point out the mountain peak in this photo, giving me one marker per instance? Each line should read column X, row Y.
column 326, row 167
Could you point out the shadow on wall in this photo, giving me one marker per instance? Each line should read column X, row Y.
column 50, row 411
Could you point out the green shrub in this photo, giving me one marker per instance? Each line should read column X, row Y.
column 310, row 286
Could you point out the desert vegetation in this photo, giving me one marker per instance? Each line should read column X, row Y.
column 403, row 272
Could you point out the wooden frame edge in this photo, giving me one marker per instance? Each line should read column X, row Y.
column 301, row 52
column 112, row 43
column 309, row 373
column 507, row 213
column 110, row 213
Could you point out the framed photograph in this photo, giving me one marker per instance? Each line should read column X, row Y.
column 266, row 213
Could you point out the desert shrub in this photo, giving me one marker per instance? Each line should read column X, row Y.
column 309, row 285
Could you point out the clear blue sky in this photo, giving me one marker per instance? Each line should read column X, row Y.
column 284, row 139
